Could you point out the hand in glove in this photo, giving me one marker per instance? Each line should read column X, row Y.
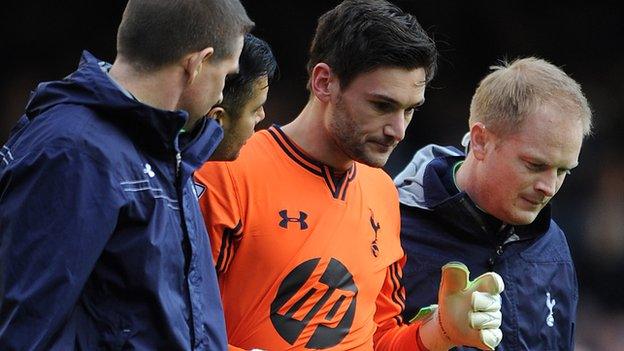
column 468, row 312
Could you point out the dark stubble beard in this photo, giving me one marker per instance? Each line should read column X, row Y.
column 347, row 136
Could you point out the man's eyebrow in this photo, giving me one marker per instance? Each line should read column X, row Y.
column 540, row 161
column 384, row 98
column 570, row 168
column 392, row 101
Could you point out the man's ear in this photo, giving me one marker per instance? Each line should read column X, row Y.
column 218, row 114
column 323, row 82
column 193, row 63
column 479, row 139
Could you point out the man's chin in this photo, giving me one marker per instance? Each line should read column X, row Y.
column 368, row 154
column 376, row 161
column 523, row 218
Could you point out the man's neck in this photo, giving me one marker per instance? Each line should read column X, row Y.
column 463, row 175
column 467, row 180
column 309, row 132
column 160, row 89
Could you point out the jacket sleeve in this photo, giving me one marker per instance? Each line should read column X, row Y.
column 573, row 309
column 392, row 332
column 219, row 204
column 58, row 208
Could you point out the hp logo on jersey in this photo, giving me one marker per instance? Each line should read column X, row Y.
column 315, row 304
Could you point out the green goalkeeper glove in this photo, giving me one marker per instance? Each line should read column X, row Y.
column 468, row 312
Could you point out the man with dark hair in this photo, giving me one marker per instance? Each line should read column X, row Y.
column 304, row 226
column 489, row 208
column 102, row 243
column 244, row 96
column 153, row 34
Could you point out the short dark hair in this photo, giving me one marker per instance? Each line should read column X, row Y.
column 256, row 61
column 359, row 36
column 155, row 33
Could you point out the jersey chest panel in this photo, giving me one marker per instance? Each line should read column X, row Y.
column 318, row 262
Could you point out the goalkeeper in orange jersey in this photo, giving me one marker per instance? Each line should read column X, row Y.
column 304, row 225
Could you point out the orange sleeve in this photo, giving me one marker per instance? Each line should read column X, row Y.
column 219, row 204
column 392, row 333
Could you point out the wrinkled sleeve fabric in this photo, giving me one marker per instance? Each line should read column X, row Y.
column 573, row 311
column 219, row 203
column 58, row 208
column 220, row 207
column 392, row 332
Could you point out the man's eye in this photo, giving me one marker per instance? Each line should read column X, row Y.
column 410, row 111
column 534, row 166
column 382, row 106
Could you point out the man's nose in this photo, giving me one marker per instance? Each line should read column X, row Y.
column 396, row 127
column 547, row 183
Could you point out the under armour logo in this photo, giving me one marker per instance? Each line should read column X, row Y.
column 147, row 169
column 550, row 320
column 301, row 220
column 376, row 226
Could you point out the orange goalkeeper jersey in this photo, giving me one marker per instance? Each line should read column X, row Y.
column 306, row 260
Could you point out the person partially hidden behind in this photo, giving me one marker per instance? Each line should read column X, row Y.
column 490, row 208
column 304, row 226
column 244, row 96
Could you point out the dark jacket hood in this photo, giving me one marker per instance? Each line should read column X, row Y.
column 90, row 86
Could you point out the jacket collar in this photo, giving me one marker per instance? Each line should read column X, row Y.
column 420, row 185
column 90, row 86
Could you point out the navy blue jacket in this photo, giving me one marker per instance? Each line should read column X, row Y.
column 102, row 245
column 541, row 291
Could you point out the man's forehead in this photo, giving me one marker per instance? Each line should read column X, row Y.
column 551, row 151
column 261, row 82
column 259, row 90
column 406, row 86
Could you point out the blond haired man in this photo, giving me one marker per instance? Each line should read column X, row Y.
column 489, row 208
